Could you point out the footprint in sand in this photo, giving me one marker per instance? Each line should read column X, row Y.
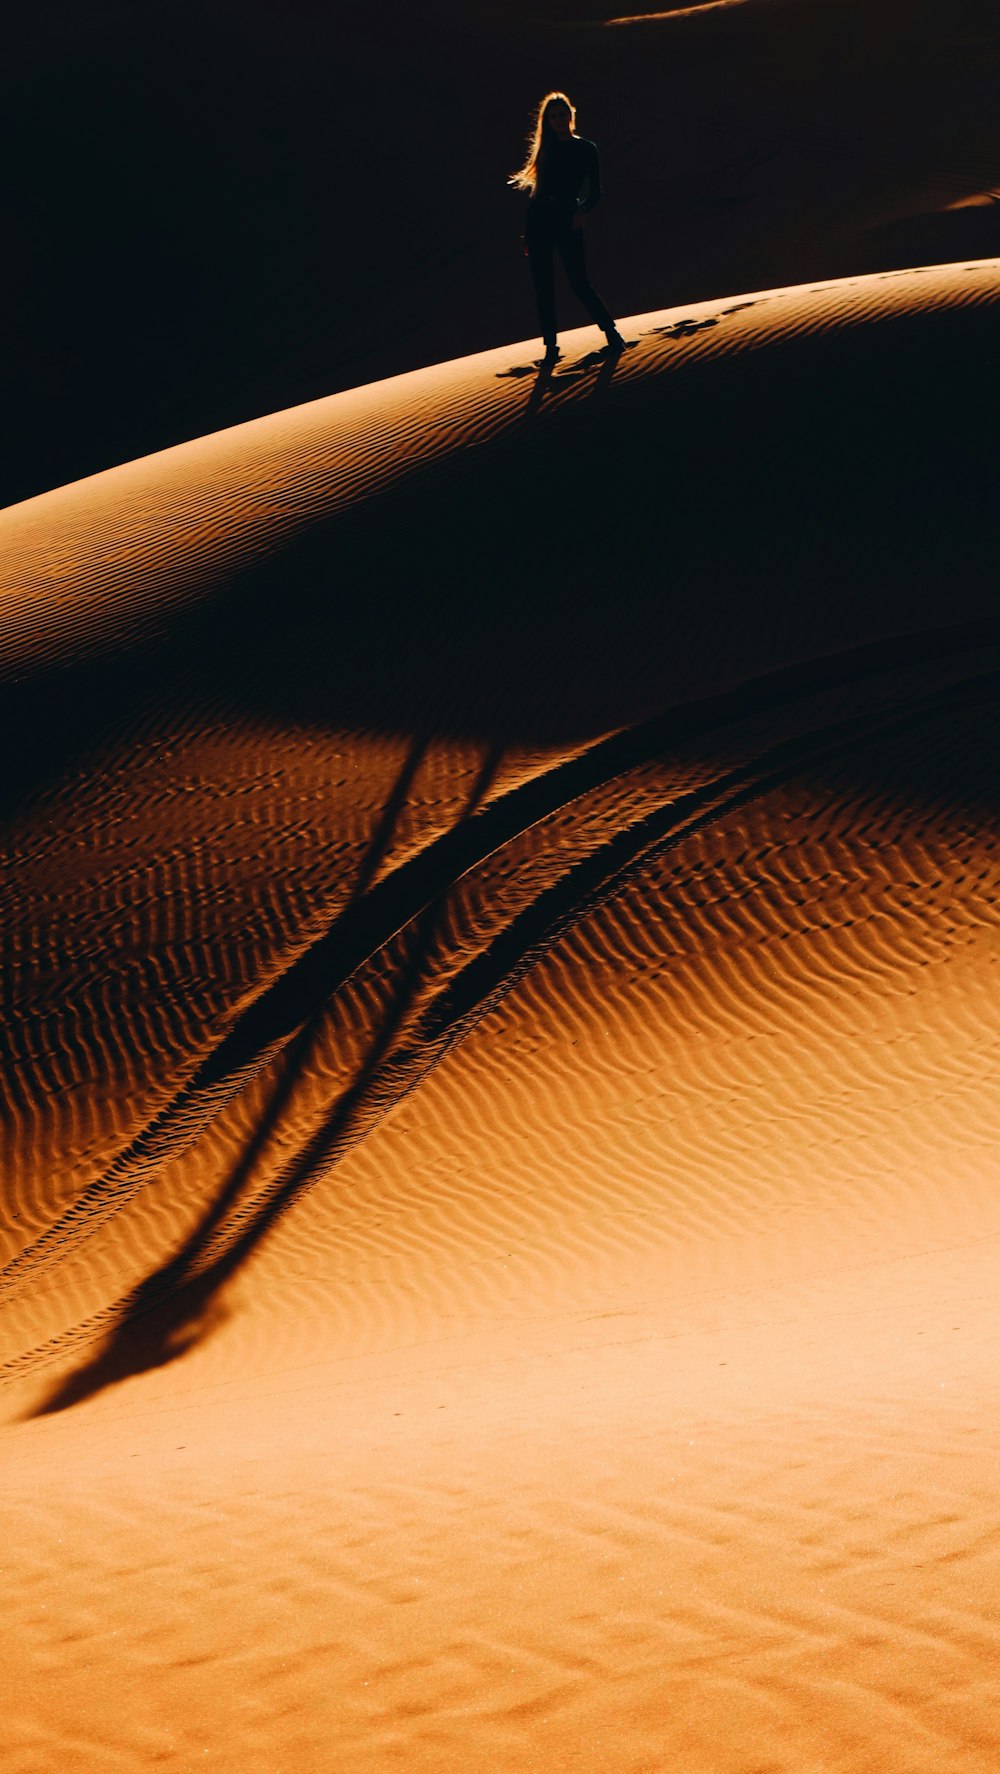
column 568, row 370
column 680, row 329
column 594, row 360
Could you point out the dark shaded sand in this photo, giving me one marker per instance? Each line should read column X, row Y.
column 218, row 208
column 501, row 1079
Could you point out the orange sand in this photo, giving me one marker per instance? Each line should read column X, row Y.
column 502, row 1112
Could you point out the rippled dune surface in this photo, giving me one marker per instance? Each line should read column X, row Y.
column 501, row 1065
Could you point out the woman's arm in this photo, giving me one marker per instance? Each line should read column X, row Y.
column 593, row 177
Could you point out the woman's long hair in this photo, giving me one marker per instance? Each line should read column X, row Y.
column 526, row 177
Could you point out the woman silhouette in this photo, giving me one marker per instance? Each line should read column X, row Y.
column 558, row 164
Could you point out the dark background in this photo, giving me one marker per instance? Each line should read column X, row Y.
column 217, row 208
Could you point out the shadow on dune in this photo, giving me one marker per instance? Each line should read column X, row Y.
column 546, row 376
column 612, row 558
column 177, row 1304
column 940, row 742
column 620, row 555
column 940, row 236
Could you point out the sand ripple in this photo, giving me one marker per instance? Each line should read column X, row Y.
column 501, row 1069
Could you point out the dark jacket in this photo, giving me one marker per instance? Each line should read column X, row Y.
column 563, row 171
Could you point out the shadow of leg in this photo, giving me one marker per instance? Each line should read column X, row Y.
column 176, row 1306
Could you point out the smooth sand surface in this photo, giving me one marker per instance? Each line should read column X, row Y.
column 501, row 1082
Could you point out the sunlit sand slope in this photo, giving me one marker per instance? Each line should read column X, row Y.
column 501, row 1234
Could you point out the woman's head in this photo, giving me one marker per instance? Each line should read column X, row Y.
column 556, row 115
column 555, row 120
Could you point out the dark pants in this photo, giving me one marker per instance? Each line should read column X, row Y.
column 544, row 235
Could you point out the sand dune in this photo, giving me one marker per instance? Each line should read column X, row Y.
column 501, row 1074
column 221, row 210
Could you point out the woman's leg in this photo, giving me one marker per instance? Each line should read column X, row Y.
column 539, row 244
column 574, row 256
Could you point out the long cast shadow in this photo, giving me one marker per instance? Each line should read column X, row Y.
column 178, row 1304
column 371, row 918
